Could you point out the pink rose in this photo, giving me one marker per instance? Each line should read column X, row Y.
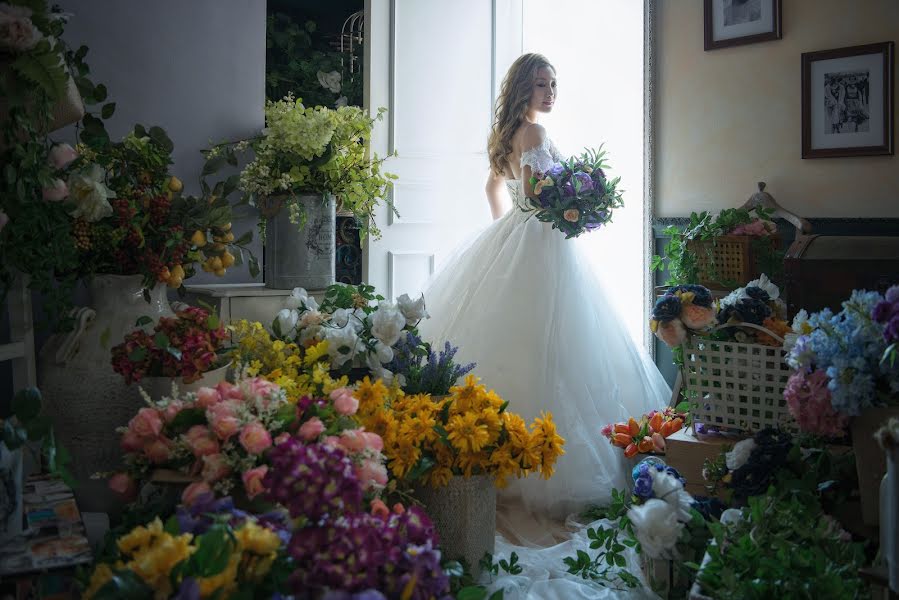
column 252, row 481
column 131, row 442
column 214, row 468
column 672, row 332
column 571, row 215
column 373, row 441
column 332, row 440
column 146, row 423
column 311, row 429
column 352, row 440
column 697, row 317
column 371, row 473
column 345, row 404
column 55, row 192
column 61, row 155
column 282, row 438
column 194, row 491
column 123, row 485
column 225, row 425
column 255, row 438
column 229, row 391
column 379, row 509
column 171, row 410
column 257, row 387
column 200, row 441
column 207, row 396
column 158, row 451
column 606, row 431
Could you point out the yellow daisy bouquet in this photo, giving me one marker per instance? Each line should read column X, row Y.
column 193, row 556
column 431, row 439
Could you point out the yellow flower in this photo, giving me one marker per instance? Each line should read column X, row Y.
column 224, row 581
column 550, row 443
column 466, row 434
column 403, row 456
column 439, row 477
column 469, row 462
column 254, row 367
column 468, row 396
column 517, row 430
column 384, row 423
column 418, row 429
column 257, row 539
column 100, row 577
column 140, row 537
column 371, row 395
column 491, row 419
column 154, row 564
column 315, row 353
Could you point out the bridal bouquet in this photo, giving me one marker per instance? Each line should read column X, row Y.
column 575, row 195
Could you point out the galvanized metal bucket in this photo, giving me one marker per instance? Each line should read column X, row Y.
column 301, row 257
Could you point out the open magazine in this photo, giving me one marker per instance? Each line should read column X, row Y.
column 53, row 536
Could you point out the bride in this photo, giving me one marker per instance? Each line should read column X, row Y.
column 522, row 303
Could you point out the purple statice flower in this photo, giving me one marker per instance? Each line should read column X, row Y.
column 188, row 590
column 426, row 371
column 313, row 480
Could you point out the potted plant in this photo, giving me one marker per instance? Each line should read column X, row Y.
column 846, row 375
column 307, row 163
column 188, row 350
column 453, row 452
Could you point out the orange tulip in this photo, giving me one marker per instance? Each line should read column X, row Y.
column 622, row 428
column 621, row 440
column 678, row 424
column 655, row 423
column 667, row 428
column 645, row 444
column 633, row 426
column 630, row 451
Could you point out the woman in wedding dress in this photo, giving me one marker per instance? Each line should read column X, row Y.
column 522, row 303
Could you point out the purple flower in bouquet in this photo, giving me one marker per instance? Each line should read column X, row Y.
column 312, row 480
column 188, row 590
column 809, row 401
column 586, row 182
column 666, row 308
column 555, row 172
column 887, row 312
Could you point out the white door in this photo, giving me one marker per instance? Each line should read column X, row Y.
column 433, row 65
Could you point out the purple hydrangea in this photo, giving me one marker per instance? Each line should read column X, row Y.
column 312, row 480
column 586, row 182
column 887, row 312
column 643, row 486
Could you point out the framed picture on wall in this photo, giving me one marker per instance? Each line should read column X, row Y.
column 736, row 22
column 847, row 101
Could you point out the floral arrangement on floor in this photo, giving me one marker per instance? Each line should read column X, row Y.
column 182, row 347
column 660, row 520
column 649, row 433
column 209, row 550
column 360, row 327
column 575, row 196
column 468, row 433
column 841, row 362
column 758, row 303
column 681, row 262
column 682, row 309
column 305, row 150
column 421, row 370
column 224, row 436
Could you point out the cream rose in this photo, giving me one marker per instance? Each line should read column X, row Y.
column 90, row 194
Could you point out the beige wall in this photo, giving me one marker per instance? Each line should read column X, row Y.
column 731, row 117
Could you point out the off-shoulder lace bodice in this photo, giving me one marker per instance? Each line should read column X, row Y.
column 540, row 158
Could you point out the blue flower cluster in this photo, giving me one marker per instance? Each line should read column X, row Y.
column 848, row 346
column 643, row 477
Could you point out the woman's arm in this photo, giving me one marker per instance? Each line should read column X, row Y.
column 533, row 137
column 495, row 188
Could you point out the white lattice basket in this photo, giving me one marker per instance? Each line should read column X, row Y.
column 737, row 386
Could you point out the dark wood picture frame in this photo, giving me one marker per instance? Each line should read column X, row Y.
column 887, row 49
column 776, row 32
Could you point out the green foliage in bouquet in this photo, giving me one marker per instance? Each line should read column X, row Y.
column 27, row 428
column 306, row 150
column 682, row 264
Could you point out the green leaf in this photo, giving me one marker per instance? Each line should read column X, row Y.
column 144, row 320
column 137, row 355
column 213, row 164
column 108, row 110
column 254, row 266
column 43, row 67
column 186, row 419
column 26, row 404
column 472, row 593
column 161, row 340
column 124, row 585
column 158, row 135
column 100, row 93
column 213, row 321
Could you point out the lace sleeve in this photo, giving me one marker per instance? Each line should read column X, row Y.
column 539, row 158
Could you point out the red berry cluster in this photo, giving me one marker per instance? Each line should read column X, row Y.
column 159, row 210
column 123, row 210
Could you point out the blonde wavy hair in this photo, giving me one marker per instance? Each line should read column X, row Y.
column 511, row 105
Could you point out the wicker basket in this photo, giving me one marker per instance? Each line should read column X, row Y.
column 728, row 261
column 737, row 386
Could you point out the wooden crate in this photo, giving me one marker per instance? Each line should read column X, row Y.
column 686, row 452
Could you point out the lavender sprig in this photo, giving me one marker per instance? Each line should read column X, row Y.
column 426, row 371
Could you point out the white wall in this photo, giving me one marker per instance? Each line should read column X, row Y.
column 196, row 68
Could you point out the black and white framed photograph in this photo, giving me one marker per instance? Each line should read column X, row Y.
column 735, row 22
column 847, row 101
